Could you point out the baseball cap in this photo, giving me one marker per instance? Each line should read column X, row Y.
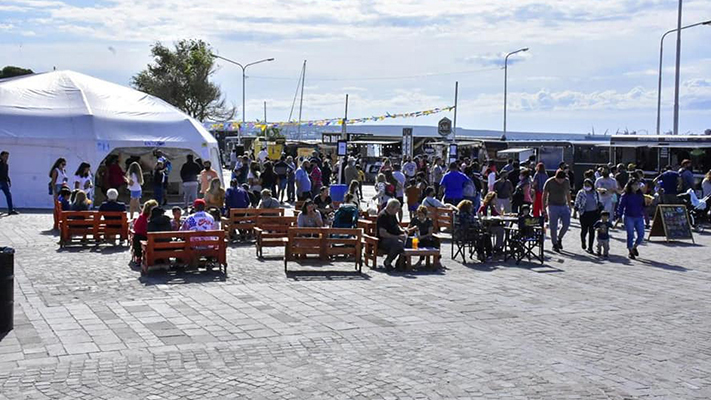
column 198, row 201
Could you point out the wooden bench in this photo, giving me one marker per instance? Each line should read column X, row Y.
column 324, row 243
column 442, row 218
column 371, row 249
column 186, row 247
column 99, row 225
column 245, row 219
column 272, row 232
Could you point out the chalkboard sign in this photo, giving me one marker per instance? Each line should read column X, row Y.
column 671, row 221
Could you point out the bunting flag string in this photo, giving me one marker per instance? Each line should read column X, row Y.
column 234, row 126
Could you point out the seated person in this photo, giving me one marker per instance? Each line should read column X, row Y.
column 323, row 201
column 236, row 197
column 423, row 227
column 467, row 223
column 253, row 197
column 140, row 227
column 200, row 220
column 158, row 221
column 489, row 205
column 392, row 237
column 347, row 214
column 111, row 205
column 430, row 200
column 309, row 217
column 64, row 198
column 217, row 216
column 268, row 201
column 527, row 223
column 81, row 203
column 351, row 198
column 177, row 220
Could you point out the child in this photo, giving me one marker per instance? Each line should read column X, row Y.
column 603, row 234
column 177, row 221
column 527, row 222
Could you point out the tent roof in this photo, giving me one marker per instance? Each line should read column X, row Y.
column 67, row 104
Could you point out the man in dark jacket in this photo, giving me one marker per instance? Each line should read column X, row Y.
column 189, row 174
column 5, row 182
column 159, row 222
column 111, row 204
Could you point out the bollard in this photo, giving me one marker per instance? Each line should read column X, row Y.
column 7, row 278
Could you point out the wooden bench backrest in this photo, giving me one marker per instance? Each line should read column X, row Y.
column 342, row 241
column 304, row 241
column 78, row 223
column 442, row 217
column 368, row 227
column 275, row 224
column 181, row 244
column 116, row 224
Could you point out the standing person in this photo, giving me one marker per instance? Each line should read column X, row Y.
column 215, row 195
column 281, row 169
column 392, row 237
column 386, row 166
column 326, row 172
column 158, row 178
column 602, row 227
column 316, row 159
column 350, row 173
column 134, row 179
column 233, row 159
column 606, row 186
column 243, row 170
column 400, row 187
column 381, row 193
column 290, row 186
column 167, row 168
column 522, row 192
column 539, row 180
column 588, row 204
column 452, row 184
column 504, row 189
column 509, row 166
column 58, row 176
column 622, row 176
column 353, row 191
column 515, row 173
column 687, row 176
column 263, row 155
column 269, row 178
column 706, row 184
column 303, row 183
column 5, row 182
column 556, row 199
column 115, row 174
column 83, row 180
column 670, row 181
column 361, row 179
column 189, row 175
column 631, row 208
column 437, row 173
column 409, row 168
column 206, row 175
column 316, row 178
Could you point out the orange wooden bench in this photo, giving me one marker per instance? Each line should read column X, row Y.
column 442, row 218
column 371, row 250
column 99, row 225
column 272, row 232
column 245, row 219
column 324, row 243
column 186, row 247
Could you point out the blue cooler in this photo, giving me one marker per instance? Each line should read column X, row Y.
column 338, row 192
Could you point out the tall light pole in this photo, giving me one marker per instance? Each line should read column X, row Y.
column 506, row 74
column 244, row 76
column 661, row 54
column 676, row 77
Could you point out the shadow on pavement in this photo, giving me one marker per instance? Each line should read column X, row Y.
column 94, row 248
column 668, row 267
column 329, row 275
column 181, row 277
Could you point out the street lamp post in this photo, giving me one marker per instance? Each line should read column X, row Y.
column 506, row 71
column 676, row 74
column 661, row 53
column 244, row 76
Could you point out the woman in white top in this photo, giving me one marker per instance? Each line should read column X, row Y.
column 83, row 180
column 706, row 184
column 134, row 179
column 380, row 197
column 58, row 177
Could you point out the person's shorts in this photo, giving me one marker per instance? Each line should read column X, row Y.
column 282, row 183
column 136, row 194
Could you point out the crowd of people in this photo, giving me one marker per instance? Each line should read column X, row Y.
column 608, row 194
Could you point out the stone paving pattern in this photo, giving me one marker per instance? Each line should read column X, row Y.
column 87, row 326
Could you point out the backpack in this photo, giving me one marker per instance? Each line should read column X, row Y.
column 346, row 217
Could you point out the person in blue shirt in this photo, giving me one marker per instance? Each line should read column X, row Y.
column 236, row 197
column 669, row 180
column 452, row 184
column 303, row 183
column 631, row 207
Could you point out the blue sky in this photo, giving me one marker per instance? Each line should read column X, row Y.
column 592, row 63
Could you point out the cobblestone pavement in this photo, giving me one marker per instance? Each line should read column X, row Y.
column 87, row 326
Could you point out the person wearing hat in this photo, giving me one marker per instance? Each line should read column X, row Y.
column 588, row 205
column 200, row 220
column 111, row 203
column 687, row 176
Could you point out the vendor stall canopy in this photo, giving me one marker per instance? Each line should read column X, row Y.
column 84, row 119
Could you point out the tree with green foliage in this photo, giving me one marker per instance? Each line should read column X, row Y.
column 181, row 77
column 10, row 71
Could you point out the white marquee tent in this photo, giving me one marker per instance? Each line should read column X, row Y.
column 84, row 119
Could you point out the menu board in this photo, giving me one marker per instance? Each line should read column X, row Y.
column 671, row 221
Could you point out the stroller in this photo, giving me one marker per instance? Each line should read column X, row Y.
column 698, row 209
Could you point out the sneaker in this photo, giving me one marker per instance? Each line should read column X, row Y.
column 605, row 256
column 590, row 251
column 560, row 244
column 388, row 266
column 599, row 253
column 584, row 246
column 13, row 212
column 631, row 255
column 635, row 251
column 556, row 248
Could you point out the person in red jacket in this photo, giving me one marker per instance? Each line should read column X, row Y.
column 140, row 227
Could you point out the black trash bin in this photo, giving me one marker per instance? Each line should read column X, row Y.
column 7, row 278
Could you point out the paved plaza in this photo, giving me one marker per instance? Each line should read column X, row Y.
column 87, row 326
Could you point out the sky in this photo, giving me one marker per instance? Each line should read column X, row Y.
column 592, row 64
